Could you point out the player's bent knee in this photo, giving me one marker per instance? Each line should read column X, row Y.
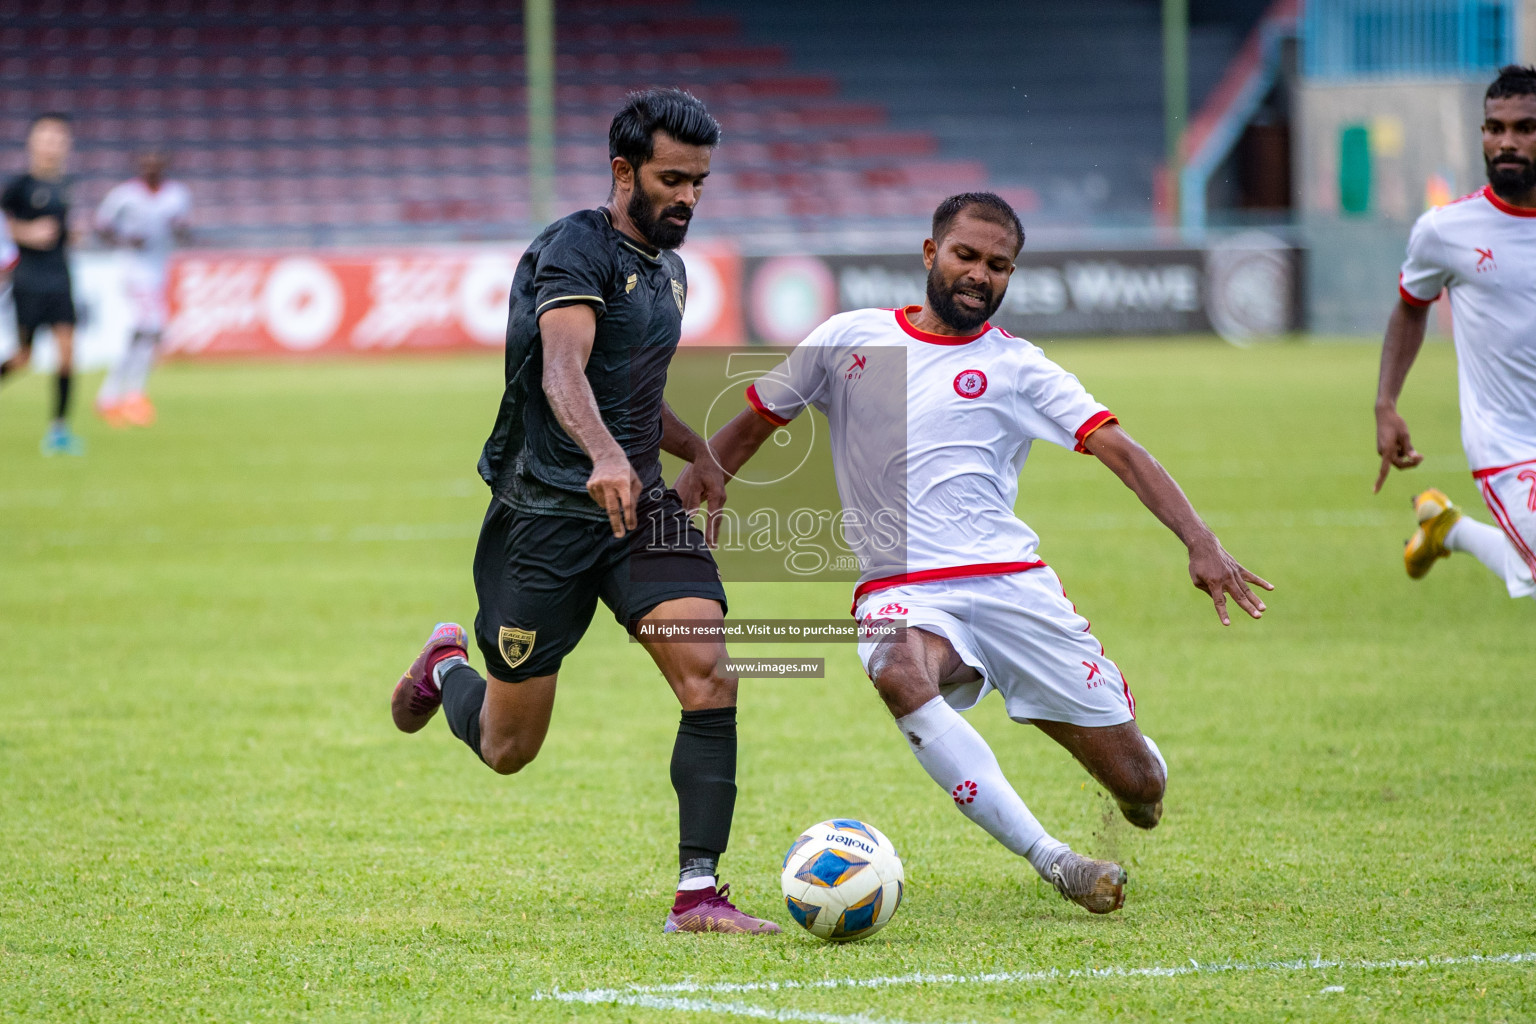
column 507, row 758
column 711, row 689
column 510, row 753
column 901, row 681
column 1140, row 783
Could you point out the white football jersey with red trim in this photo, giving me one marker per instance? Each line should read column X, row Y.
column 1484, row 252
column 146, row 220
column 929, row 435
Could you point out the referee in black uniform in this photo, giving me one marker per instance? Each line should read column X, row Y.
column 580, row 511
column 37, row 215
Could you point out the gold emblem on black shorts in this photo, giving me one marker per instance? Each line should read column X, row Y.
column 678, row 295
column 515, row 645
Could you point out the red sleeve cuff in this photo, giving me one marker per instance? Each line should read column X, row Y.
column 1093, row 423
column 762, row 410
column 1412, row 299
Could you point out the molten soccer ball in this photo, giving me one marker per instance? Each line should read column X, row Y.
column 842, row 880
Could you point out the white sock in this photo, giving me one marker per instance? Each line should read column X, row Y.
column 959, row 760
column 1489, row 545
column 139, row 360
column 442, row 667
column 115, row 384
column 696, row 882
column 1157, row 754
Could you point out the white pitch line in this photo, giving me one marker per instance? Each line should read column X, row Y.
column 663, row 997
column 616, row 997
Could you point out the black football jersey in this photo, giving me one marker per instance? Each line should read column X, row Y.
column 27, row 198
column 638, row 294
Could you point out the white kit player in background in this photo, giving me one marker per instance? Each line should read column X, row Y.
column 1482, row 250
column 145, row 217
column 932, row 413
column 9, row 257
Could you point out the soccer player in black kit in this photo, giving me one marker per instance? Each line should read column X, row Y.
column 579, row 509
column 37, row 214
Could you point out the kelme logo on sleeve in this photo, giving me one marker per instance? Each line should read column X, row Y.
column 515, row 645
column 678, row 294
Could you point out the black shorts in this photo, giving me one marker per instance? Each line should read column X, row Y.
column 36, row 309
column 538, row 578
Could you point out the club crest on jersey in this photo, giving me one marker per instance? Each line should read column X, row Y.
column 679, row 296
column 970, row 384
column 515, row 644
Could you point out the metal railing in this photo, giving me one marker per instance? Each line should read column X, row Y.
column 1345, row 39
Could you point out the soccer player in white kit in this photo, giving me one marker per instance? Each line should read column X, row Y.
column 146, row 217
column 1481, row 249
column 932, row 413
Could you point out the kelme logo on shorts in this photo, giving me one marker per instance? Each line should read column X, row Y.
column 515, row 645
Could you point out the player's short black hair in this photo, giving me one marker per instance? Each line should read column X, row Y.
column 50, row 115
column 987, row 206
column 680, row 114
column 1513, row 80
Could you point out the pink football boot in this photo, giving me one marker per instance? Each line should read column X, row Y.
column 417, row 698
column 708, row 910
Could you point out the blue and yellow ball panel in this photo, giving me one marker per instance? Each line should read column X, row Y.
column 831, row 867
column 901, row 890
column 858, row 828
column 860, row 917
column 797, row 844
column 803, row 912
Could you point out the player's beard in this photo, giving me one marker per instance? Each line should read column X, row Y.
column 663, row 234
column 942, row 301
column 1509, row 182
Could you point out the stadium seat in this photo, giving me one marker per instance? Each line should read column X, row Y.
column 426, row 100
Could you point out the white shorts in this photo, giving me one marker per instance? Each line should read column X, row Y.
column 145, row 289
column 1510, row 492
column 1024, row 637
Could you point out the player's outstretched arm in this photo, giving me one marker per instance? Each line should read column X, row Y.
column 568, row 334
column 705, row 479
column 1405, row 336
column 1210, row 567
column 729, row 450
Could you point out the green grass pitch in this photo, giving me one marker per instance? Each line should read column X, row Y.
column 207, row 816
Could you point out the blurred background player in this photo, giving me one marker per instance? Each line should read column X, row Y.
column 37, row 215
column 7, row 262
column 1482, row 250
column 145, row 217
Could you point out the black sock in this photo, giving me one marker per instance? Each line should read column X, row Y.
column 61, row 406
column 463, row 697
column 704, row 775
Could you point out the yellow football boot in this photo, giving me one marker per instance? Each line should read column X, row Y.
column 1436, row 516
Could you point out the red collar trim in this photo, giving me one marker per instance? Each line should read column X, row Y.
column 1503, row 207
column 944, row 339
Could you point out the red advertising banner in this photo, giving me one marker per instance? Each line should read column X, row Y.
column 406, row 299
